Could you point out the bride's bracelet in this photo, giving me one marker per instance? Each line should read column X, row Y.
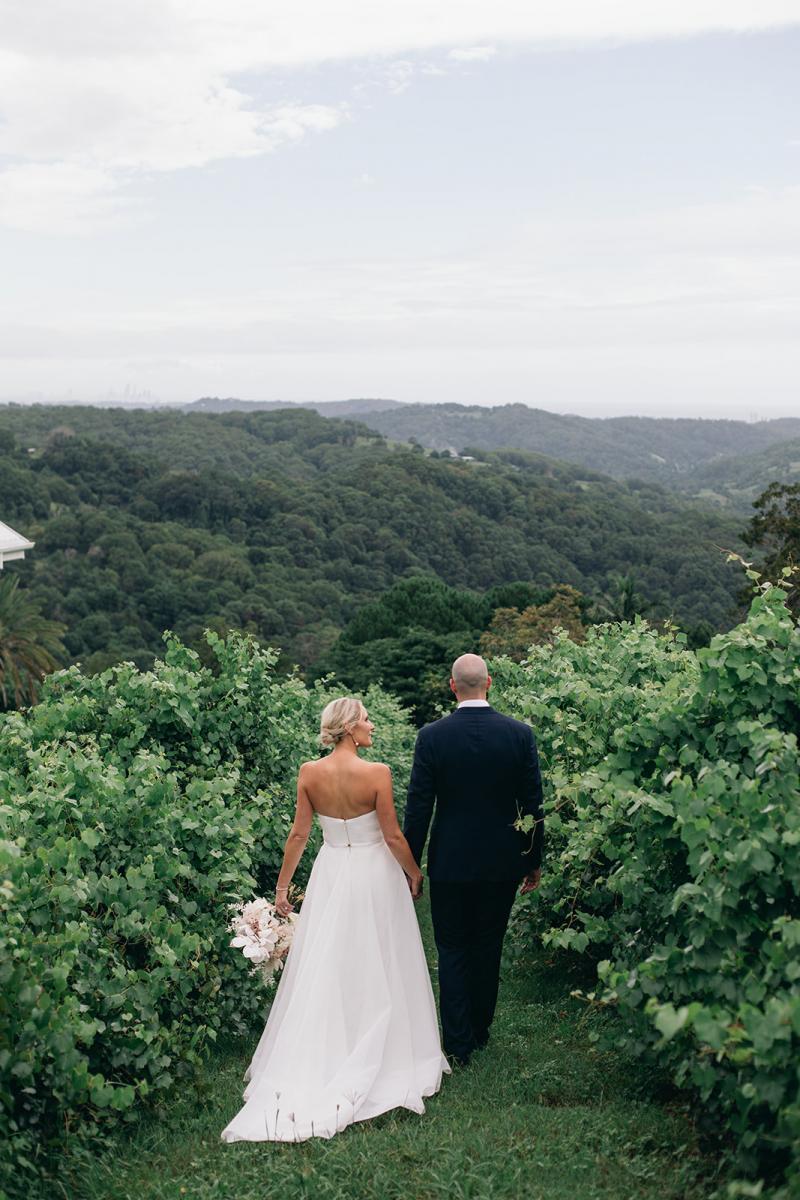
column 281, row 889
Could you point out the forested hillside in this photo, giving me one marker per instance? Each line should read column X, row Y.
column 264, row 444
column 330, row 408
column 725, row 463
column 738, row 480
column 284, row 523
column 623, row 447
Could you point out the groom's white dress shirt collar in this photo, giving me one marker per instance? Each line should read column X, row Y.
column 473, row 704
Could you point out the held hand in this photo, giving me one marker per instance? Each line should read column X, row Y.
column 531, row 882
column 415, row 884
column 282, row 904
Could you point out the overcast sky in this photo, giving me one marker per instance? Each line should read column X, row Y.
column 585, row 207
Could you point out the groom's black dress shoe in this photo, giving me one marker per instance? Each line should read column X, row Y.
column 459, row 1058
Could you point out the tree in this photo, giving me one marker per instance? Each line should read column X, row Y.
column 30, row 645
column 408, row 640
column 622, row 602
column 414, row 666
column 776, row 528
column 419, row 602
column 512, row 632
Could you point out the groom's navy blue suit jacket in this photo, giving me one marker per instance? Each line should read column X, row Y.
column 480, row 770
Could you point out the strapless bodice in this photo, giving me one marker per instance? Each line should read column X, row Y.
column 364, row 830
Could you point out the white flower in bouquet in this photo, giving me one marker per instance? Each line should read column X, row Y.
column 263, row 937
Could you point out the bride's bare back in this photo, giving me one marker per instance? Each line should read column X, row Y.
column 342, row 786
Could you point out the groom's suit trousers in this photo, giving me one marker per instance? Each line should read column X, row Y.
column 469, row 922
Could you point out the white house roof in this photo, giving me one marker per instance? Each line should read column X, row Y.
column 12, row 544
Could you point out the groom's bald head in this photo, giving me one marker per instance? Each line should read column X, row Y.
column 470, row 679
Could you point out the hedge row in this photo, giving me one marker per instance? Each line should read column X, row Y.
column 674, row 854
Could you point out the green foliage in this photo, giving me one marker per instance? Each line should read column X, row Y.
column 662, row 449
column 408, row 640
column 283, row 524
column 674, row 852
column 579, row 697
column 422, row 602
column 736, row 480
column 775, row 528
column 512, row 632
column 30, row 645
column 622, row 601
column 414, row 665
column 136, row 808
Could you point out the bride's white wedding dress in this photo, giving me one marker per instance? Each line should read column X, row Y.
column 352, row 1031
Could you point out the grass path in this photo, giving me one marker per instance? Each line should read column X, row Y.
column 539, row 1114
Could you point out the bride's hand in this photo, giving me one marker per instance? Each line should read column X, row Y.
column 282, row 904
column 415, row 883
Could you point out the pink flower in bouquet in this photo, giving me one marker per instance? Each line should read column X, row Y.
column 263, row 937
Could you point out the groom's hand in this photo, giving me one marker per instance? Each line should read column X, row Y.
column 415, row 884
column 531, row 882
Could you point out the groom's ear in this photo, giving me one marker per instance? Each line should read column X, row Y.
column 453, row 686
column 488, row 682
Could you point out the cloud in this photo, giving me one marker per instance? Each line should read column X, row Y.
column 473, row 54
column 85, row 161
column 140, row 86
column 245, row 34
column 61, row 198
column 130, row 116
column 722, row 276
column 77, row 144
column 397, row 76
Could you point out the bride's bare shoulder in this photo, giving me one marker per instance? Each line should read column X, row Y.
column 379, row 768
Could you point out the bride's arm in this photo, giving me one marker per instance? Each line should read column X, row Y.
column 295, row 845
column 392, row 833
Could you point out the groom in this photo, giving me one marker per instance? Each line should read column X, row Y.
column 481, row 771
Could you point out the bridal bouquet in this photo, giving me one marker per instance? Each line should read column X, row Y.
column 263, row 936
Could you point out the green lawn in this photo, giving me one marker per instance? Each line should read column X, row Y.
column 539, row 1113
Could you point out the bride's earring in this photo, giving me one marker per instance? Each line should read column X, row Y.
column 353, row 740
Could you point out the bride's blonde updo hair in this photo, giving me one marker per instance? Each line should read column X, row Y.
column 336, row 715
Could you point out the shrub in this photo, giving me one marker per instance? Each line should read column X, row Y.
column 675, row 854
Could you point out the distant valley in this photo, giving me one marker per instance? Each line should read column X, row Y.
column 284, row 523
column 726, row 463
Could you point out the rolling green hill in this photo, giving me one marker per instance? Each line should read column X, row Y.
column 283, row 523
column 623, row 447
column 736, row 481
column 726, row 463
column 699, row 458
column 332, row 408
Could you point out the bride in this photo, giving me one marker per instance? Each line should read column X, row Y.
column 352, row 1031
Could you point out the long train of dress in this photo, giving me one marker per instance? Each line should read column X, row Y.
column 352, row 1031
